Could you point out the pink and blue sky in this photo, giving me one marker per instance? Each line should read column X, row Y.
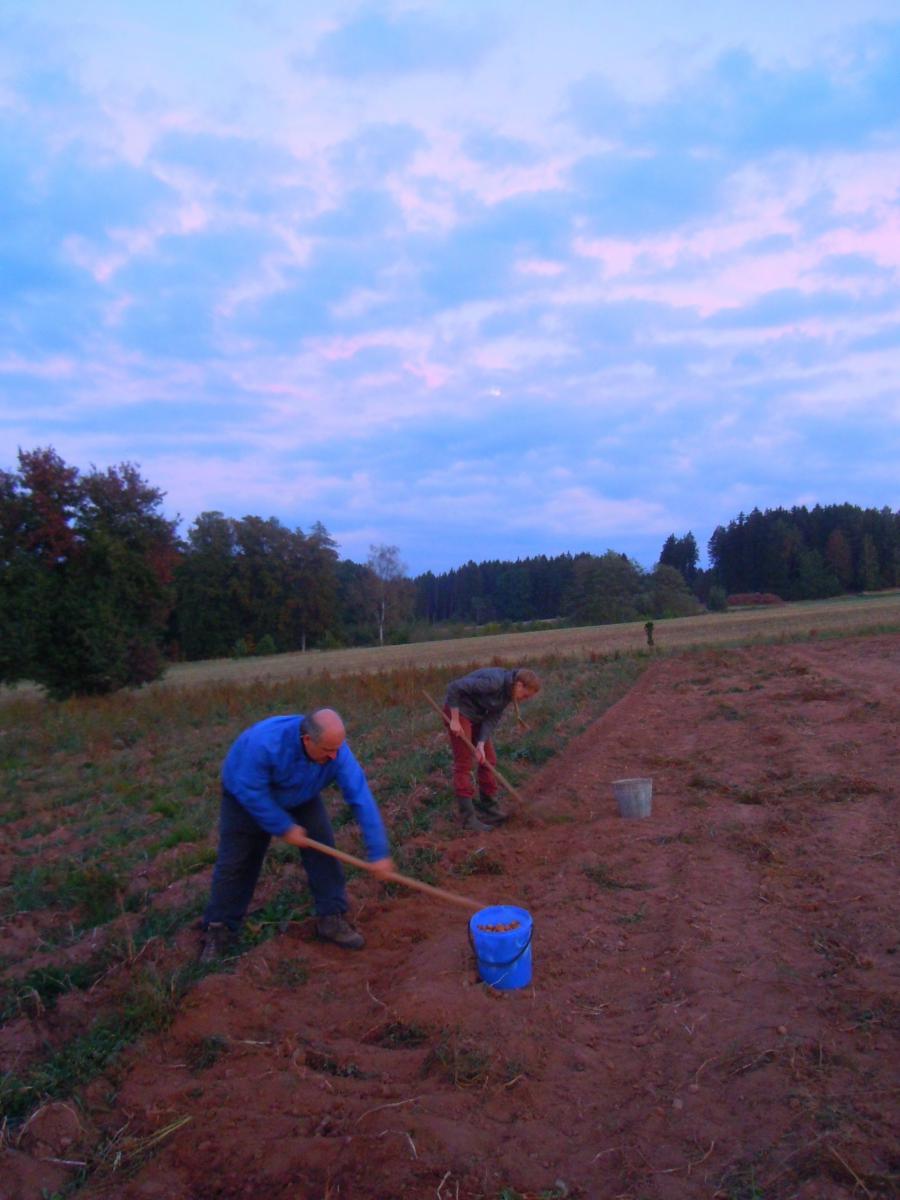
column 478, row 278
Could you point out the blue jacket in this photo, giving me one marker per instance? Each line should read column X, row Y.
column 268, row 771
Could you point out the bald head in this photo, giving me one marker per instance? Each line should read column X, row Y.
column 322, row 734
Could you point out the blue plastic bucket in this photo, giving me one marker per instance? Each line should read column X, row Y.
column 503, row 955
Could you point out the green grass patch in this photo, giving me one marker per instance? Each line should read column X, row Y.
column 167, row 807
column 148, row 1007
column 532, row 750
column 97, row 891
column 184, row 831
column 39, row 989
column 421, row 818
column 286, row 906
column 418, row 862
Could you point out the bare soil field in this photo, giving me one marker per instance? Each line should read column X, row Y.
column 714, row 1009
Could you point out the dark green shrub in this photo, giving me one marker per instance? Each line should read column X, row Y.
column 718, row 599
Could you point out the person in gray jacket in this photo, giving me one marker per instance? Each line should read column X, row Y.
column 473, row 705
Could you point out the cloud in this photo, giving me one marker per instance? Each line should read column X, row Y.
column 227, row 161
column 887, row 338
column 788, row 306
column 854, row 267
column 201, row 264
column 598, row 110
column 360, row 213
column 759, row 110
column 738, row 107
column 173, row 298
column 241, row 484
column 69, row 189
column 627, row 195
column 410, row 42
column 307, row 300
column 492, row 149
column 91, row 199
column 376, row 151
column 478, row 257
column 586, row 513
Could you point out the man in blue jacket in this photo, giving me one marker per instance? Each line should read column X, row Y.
column 271, row 780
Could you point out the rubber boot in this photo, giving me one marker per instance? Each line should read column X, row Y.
column 468, row 816
column 489, row 810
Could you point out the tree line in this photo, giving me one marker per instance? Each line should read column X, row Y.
column 253, row 586
column 98, row 590
column 808, row 554
column 585, row 589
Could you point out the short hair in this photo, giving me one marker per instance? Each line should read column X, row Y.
column 530, row 678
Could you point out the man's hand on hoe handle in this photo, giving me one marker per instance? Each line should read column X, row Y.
column 382, row 868
column 457, row 730
column 295, row 836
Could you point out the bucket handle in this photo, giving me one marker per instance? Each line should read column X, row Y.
column 512, row 962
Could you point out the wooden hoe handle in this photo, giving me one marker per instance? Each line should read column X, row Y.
column 396, row 877
column 494, row 771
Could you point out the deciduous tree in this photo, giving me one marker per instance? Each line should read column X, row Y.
column 391, row 591
column 85, row 576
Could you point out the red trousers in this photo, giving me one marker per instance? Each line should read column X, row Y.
column 464, row 760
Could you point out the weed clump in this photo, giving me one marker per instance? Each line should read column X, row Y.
column 318, row 1060
column 601, row 875
column 479, row 862
column 461, row 1061
column 466, row 1064
column 205, row 1052
column 291, row 974
column 397, row 1035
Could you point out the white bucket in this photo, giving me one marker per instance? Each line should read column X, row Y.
column 633, row 796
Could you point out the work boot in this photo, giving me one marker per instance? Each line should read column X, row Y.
column 469, row 817
column 218, row 942
column 489, row 809
column 336, row 928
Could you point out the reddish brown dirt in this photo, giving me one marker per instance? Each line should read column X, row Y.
column 714, row 1008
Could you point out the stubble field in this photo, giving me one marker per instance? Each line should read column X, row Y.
column 823, row 618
